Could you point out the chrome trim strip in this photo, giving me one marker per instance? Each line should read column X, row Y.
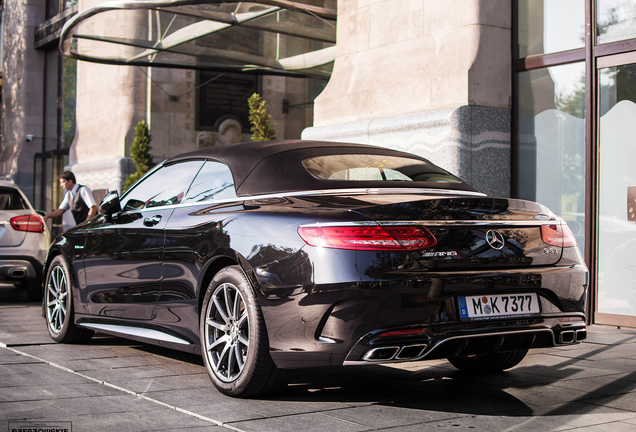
column 454, row 223
column 136, row 331
column 353, row 191
column 326, row 340
column 362, row 362
column 366, row 191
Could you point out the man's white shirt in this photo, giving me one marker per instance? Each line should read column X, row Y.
column 87, row 196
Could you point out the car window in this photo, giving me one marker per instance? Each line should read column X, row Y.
column 10, row 199
column 166, row 186
column 361, row 167
column 213, row 182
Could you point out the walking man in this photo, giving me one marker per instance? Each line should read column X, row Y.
column 77, row 198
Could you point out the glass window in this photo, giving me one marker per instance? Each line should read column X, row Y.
column 166, row 186
column 615, row 20
column 547, row 26
column 551, row 141
column 359, row 167
column 10, row 199
column 617, row 210
column 214, row 182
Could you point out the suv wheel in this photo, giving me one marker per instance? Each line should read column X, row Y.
column 59, row 305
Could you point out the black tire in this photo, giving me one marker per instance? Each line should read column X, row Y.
column 234, row 341
column 58, row 305
column 488, row 363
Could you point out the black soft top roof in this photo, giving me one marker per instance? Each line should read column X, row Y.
column 265, row 167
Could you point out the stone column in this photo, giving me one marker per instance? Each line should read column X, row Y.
column 22, row 92
column 111, row 100
column 428, row 77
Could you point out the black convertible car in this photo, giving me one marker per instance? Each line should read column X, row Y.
column 288, row 254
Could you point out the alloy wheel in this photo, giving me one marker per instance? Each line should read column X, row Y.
column 227, row 337
column 56, row 299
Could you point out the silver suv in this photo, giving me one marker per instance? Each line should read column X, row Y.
column 24, row 241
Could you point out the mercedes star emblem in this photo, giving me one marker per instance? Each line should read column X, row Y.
column 495, row 239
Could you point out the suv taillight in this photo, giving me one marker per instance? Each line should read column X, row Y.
column 368, row 237
column 558, row 235
column 29, row 223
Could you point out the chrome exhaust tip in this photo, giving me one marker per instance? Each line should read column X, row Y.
column 411, row 352
column 18, row 273
column 580, row 335
column 566, row 337
column 381, row 354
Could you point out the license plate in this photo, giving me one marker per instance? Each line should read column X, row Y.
column 498, row 306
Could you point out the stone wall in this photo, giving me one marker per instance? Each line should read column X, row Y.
column 429, row 77
column 22, row 92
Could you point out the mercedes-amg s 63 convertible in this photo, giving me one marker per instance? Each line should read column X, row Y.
column 265, row 257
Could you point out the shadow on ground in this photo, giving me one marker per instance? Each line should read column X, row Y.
column 531, row 390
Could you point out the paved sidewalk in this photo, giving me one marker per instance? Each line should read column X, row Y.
column 115, row 384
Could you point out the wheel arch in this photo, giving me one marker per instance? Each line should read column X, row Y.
column 49, row 258
column 214, row 267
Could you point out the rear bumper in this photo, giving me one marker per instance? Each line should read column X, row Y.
column 452, row 342
column 15, row 269
column 341, row 324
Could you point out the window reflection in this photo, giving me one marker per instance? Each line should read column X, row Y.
column 166, row 186
column 213, row 182
column 551, row 141
column 615, row 20
column 617, row 234
column 544, row 28
column 360, row 167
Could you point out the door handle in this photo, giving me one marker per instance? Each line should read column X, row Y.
column 152, row 221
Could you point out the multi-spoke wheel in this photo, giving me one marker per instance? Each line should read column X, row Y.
column 56, row 299
column 227, row 332
column 59, row 305
column 234, row 339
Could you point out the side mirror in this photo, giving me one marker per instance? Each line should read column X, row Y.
column 110, row 204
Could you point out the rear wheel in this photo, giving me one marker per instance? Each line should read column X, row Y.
column 234, row 338
column 488, row 363
column 58, row 302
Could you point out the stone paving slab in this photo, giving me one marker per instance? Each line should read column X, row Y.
column 117, row 384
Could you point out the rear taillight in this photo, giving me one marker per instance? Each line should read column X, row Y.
column 368, row 238
column 29, row 223
column 558, row 235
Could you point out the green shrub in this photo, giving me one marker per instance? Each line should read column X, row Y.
column 262, row 129
column 140, row 154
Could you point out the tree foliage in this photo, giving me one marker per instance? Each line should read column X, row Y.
column 262, row 129
column 140, row 153
column 69, row 100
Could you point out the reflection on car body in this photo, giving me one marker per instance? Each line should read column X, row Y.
column 269, row 256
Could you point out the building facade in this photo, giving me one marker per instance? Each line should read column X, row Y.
column 507, row 94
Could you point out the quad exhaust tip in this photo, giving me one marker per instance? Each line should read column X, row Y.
column 572, row 336
column 408, row 352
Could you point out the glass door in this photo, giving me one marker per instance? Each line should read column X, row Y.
column 616, row 265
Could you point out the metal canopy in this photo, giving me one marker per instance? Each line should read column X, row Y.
column 280, row 37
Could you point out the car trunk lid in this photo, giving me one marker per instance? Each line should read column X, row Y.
column 470, row 232
column 477, row 232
